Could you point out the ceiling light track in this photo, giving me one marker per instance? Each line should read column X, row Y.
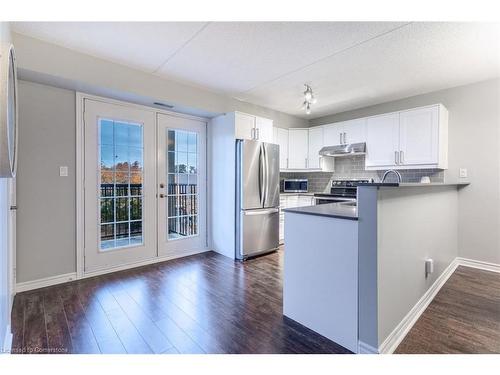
column 309, row 99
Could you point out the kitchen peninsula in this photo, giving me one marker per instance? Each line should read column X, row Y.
column 354, row 274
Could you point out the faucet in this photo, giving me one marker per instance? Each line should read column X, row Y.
column 398, row 175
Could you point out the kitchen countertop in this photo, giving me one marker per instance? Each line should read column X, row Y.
column 412, row 184
column 334, row 210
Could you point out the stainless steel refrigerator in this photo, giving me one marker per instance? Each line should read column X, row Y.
column 257, row 198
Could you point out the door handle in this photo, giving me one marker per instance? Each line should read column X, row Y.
column 261, row 212
column 261, row 175
column 162, row 186
column 345, row 138
column 340, row 137
column 401, row 157
column 396, row 157
column 13, row 208
column 162, row 195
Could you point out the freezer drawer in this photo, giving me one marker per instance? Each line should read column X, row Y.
column 258, row 232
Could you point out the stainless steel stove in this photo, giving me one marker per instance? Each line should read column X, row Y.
column 341, row 191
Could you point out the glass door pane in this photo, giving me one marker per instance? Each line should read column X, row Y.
column 182, row 177
column 121, row 151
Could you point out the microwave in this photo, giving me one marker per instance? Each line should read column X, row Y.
column 295, row 185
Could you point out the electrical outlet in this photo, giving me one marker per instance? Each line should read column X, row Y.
column 463, row 173
column 63, row 171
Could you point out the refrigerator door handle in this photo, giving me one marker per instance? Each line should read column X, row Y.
column 261, row 175
column 261, row 212
column 266, row 174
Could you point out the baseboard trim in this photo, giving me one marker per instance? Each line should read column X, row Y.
column 486, row 266
column 398, row 334
column 140, row 264
column 47, row 281
column 364, row 348
column 7, row 341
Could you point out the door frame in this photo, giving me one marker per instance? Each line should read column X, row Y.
column 80, row 180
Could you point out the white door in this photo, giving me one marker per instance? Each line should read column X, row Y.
column 315, row 145
column 419, row 136
column 120, row 185
column 297, row 148
column 182, row 208
column 12, row 240
column 382, row 141
column 282, row 141
column 333, row 134
column 244, row 126
column 264, row 129
column 355, row 131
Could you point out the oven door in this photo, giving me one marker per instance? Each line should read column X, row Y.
column 326, row 200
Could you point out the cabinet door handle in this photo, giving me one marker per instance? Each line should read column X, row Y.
column 257, row 132
column 345, row 138
column 306, row 162
column 401, row 157
column 340, row 137
column 396, row 157
column 252, row 133
column 286, row 163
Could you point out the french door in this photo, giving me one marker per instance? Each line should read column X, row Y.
column 144, row 186
column 120, row 196
column 182, row 186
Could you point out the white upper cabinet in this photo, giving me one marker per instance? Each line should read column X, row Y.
column 264, row 129
column 315, row 144
column 253, row 127
column 382, row 140
column 354, row 131
column 419, row 136
column 298, row 148
column 244, row 126
column 416, row 138
column 341, row 133
column 333, row 134
column 281, row 139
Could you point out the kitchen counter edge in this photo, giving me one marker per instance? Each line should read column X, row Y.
column 333, row 210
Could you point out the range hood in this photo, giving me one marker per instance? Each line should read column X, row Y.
column 344, row 150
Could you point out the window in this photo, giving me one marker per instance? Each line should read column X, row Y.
column 121, row 177
column 182, row 191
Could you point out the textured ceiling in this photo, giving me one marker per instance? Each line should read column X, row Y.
column 348, row 64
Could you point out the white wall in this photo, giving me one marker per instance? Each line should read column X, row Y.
column 474, row 143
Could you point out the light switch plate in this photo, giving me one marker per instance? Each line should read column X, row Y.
column 463, row 173
column 63, row 171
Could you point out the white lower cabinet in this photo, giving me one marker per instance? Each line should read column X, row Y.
column 290, row 201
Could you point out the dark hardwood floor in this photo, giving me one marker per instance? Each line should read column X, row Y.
column 464, row 317
column 200, row 304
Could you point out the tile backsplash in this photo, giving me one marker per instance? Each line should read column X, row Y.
column 353, row 167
